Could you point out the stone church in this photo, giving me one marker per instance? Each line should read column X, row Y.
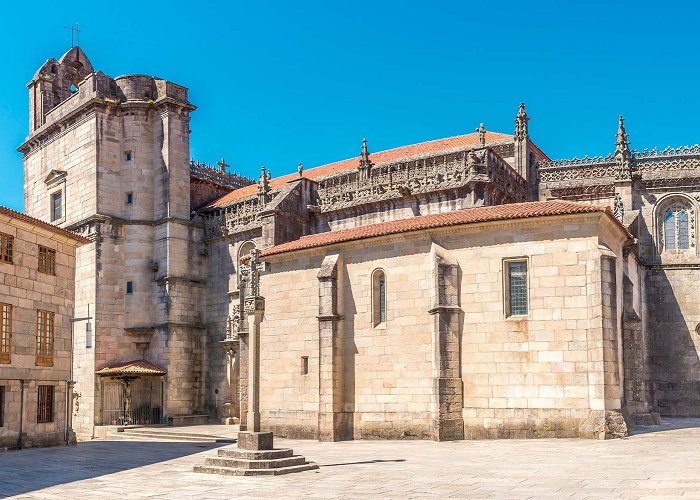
column 464, row 287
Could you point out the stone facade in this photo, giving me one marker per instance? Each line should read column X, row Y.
column 28, row 289
column 611, row 330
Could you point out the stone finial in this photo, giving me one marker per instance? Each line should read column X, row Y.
column 263, row 185
column 622, row 144
column 618, row 208
column 365, row 162
column 482, row 134
column 223, row 165
column 622, row 151
column 521, row 120
column 300, row 170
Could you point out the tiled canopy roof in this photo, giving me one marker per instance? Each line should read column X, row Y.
column 136, row 367
column 13, row 214
column 458, row 217
column 412, row 150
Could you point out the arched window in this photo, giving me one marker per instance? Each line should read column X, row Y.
column 676, row 228
column 378, row 297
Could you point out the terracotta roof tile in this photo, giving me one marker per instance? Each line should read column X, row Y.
column 379, row 157
column 13, row 214
column 136, row 367
column 458, row 217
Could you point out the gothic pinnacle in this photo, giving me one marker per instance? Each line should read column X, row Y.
column 622, row 144
column 521, row 120
column 364, row 155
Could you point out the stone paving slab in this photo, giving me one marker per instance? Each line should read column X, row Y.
column 663, row 462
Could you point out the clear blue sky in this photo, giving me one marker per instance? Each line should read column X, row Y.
column 277, row 83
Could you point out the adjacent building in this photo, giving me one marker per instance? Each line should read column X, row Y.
column 37, row 289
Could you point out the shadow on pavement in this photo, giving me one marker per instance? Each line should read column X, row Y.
column 363, row 462
column 32, row 469
column 667, row 424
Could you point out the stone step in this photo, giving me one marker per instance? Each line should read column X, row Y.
column 183, row 436
column 238, row 463
column 239, row 454
column 230, row 471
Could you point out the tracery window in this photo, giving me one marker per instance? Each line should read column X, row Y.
column 677, row 228
column 378, row 297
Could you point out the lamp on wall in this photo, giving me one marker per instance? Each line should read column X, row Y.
column 88, row 327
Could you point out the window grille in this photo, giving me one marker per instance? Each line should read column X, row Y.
column 5, row 332
column 516, row 288
column 44, row 408
column 6, row 244
column 44, row 338
column 47, row 260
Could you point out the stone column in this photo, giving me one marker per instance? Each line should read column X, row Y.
column 448, row 423
column 231, row 403
column 254, row 308
column 330, row 354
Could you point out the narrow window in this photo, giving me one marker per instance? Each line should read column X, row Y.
column 56, row 206
column 127, row 156
column 129, row 287
column 5, row 332
column 516, row 288
column 6, row 243
column 47, row 260
column 44, row 407
column 683, row 241
column 129, row 198
column 670, row 230
column 304, row 365
column 2, row 405
column 44, row 338
column 378, row 297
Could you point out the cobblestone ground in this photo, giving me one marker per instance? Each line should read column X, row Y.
column 655, row 463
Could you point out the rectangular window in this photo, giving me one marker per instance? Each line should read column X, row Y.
column 5, row 332
column 127, row 156
column 47, row 260
column 44, row 407
column 56, row 206
column 44, row 338
column 129, row 287
column 129, row 198
column 2, row 405
column 304, row 365
column 6, row 243
column 516, row 288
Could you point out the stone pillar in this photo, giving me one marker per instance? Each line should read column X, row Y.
column 448, row 423
column 330, row 354
column 254, row 308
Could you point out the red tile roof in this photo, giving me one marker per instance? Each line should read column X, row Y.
column 458, row 217
column 136, row 367
column 422, row 148
column 13, row 214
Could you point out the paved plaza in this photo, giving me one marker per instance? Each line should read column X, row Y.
column 660, row 462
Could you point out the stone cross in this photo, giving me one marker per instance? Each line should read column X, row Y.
column 223, row 165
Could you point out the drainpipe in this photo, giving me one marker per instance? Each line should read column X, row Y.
column 21, row 413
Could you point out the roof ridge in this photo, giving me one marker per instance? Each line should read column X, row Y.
column 339, row 166
column 43, row 224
